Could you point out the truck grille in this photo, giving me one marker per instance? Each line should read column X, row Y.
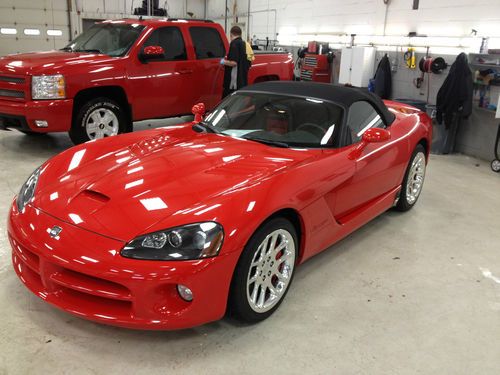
column 12, row 93
column 14, row 87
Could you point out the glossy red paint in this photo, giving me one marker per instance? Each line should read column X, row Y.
column 198, row 111
column 101, row 193
column 153, row 51
column 152, row 89
column 375, row 135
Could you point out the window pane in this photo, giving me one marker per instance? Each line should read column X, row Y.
column 298, row 122
column 109, row 38
column 207, row 42
column 170, row 39
column 362, row 116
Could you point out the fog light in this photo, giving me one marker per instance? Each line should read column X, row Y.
column 41, row 124
column 185, row 293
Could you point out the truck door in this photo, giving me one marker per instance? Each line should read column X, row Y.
column 209, row 48
column 161, row 87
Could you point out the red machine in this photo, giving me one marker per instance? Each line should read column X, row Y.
column 316, row 62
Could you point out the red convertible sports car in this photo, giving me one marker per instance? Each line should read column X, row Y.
column 172, row 227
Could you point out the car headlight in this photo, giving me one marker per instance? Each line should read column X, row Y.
column 188, row 242
column 48, row 87
column 28, row 190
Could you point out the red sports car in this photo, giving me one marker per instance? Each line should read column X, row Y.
column 172, row 227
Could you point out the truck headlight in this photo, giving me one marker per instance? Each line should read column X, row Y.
column 28, row 190
column 48, row 87
column 188, row 242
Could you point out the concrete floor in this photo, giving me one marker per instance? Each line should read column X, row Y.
column 414, row 293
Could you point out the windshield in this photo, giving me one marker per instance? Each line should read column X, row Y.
column 113, row 39
column 276, row 119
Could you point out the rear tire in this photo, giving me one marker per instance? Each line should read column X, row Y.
column 98, row 118
column 264, row 272
column 413, row 180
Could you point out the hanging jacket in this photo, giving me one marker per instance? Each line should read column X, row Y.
column 455, row 95
column 383, row 78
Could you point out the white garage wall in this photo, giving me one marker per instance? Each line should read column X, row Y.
column 44, row 15
column 41, row 15
column 366, row 17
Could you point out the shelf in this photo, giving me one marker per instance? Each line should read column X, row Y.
column 485, row 65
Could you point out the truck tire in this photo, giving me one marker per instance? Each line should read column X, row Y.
column 98, row 118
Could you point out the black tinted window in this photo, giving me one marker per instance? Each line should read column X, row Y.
column 170, row 39
column 207, row 42
column 296, row 122
column 362, row 116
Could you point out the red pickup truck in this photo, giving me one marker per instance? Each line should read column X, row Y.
column 121, row 71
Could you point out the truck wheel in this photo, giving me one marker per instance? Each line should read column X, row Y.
column 96, row 119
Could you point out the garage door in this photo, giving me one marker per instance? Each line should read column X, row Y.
column 28, row 25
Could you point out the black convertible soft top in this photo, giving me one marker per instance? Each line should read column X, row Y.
column 324, row 91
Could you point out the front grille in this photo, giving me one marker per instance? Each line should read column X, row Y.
column 12, row 93
column 12, row 79
column 14, row 87
column 73, row 287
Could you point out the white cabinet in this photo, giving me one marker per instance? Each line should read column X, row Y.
column 357, row 66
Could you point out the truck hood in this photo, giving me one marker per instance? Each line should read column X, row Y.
column 126, row 190
column 47, row 62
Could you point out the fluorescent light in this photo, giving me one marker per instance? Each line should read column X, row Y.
column 8, row 31
column 152, row 204
column 54, row 32
column 31, row 32
column 76, row 159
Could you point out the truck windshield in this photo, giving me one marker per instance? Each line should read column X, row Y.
column 277, row 120
column 113, row 39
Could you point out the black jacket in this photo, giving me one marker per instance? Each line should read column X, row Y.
column 383, row 79
column 455, row 95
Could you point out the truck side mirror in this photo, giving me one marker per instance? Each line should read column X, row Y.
column 152, row 53
column 198, row 111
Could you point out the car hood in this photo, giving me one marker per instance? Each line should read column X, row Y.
column 126, row 190
column 47, row 62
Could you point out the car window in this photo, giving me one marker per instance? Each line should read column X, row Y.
column 172, row 42
column 108, row 38
column 207, row 42
column 362, row 116
column 294, row 121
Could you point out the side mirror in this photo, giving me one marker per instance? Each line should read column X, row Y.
column 372, row 135
column 152, row 52
column 375, row 135
column 198, row 111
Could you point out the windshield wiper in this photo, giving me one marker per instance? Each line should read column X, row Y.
column 88, row 50
column 267, row 142
column 204, row 126
column 68, row 49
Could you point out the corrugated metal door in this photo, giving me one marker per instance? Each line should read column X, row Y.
column 29, row 25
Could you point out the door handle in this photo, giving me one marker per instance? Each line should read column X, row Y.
column 185, row 71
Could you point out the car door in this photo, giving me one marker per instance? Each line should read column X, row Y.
column 377, row 167
column 163, row 87
column 209, row 48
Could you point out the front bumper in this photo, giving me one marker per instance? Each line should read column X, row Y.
column 83, row 273
column 22, row 115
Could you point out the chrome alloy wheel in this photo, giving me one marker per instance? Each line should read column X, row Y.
column 101, row 123
column 416, row 177
column 271, row 270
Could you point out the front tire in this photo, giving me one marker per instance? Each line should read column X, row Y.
column 413, row 180
column 96, row 119
column 264, row 272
